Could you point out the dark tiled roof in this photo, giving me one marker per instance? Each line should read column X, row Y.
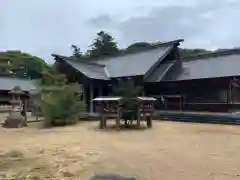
column 131, row 64
column 211, row 65
column 90, row 70
column 8, row 83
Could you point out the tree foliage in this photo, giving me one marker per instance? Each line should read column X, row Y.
column 183, row 52
column 103, row 45
column 52, row 78
column 127, row 88
column 137, row 46
column 191, row 52
column 76, row 51
column 23, row 64
column 60, row 102
column 129, row 92
column 61, row 105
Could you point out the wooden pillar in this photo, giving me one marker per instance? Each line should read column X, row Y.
column 35, row 98
column 139, row 116
column 103, row 118
column 149, row 121
column 84, row 91
column 25, row 109
column 91, row 91
column 103, row 121
column 118, row 117
column 149, row 118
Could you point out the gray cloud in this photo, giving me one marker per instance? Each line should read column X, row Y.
column 43, row 27
column 205, row 24
column 102, row 21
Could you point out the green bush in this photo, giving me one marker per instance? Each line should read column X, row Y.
column 61, row 105
column 129, row 92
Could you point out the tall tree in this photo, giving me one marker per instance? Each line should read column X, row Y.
column 23, row 64
column 103, row 45
column 76, row 51
column 5, row 67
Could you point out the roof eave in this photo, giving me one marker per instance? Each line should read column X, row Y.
column 84, row 74
column 57, row 57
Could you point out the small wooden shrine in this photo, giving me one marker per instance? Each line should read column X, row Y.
column 112, row 107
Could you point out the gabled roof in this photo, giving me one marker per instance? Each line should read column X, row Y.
column 125, row 65
column 134, row 64
column 8, row 83
column 225, row 63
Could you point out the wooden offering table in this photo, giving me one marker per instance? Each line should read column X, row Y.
column 108, row 107
column 145, row 110
column 112, row 107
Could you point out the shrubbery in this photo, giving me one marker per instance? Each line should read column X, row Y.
column 61, row 106
column 60, row 102
column 129, row 92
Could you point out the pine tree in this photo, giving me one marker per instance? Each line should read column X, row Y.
column 104, row 45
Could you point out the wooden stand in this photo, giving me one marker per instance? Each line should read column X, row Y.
column 109, row 107
column 149, row 121
column 147, row 109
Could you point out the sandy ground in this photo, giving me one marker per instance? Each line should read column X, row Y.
column 168, row 151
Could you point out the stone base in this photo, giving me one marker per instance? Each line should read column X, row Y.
column 15, row 120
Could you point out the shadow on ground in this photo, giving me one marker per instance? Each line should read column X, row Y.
column 111, row 177
column 113, row 127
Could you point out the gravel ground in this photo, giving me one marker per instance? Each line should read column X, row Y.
column 168, row 151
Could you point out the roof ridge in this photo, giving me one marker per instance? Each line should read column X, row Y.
column 159, row 44
column 151, row 47
column 212, row 54
column 65, row 58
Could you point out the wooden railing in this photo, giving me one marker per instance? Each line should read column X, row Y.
column 5, row 108
column 211, row 107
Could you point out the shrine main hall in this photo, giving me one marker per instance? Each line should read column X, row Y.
column 204, row 82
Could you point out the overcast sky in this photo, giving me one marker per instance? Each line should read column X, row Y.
column 43, row 27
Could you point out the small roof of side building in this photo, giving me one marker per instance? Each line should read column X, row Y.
column 224, row 63
column 91, row 70
column 8, row 83
column 125, row 65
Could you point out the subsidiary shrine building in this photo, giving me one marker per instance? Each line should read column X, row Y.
column 206, row 82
